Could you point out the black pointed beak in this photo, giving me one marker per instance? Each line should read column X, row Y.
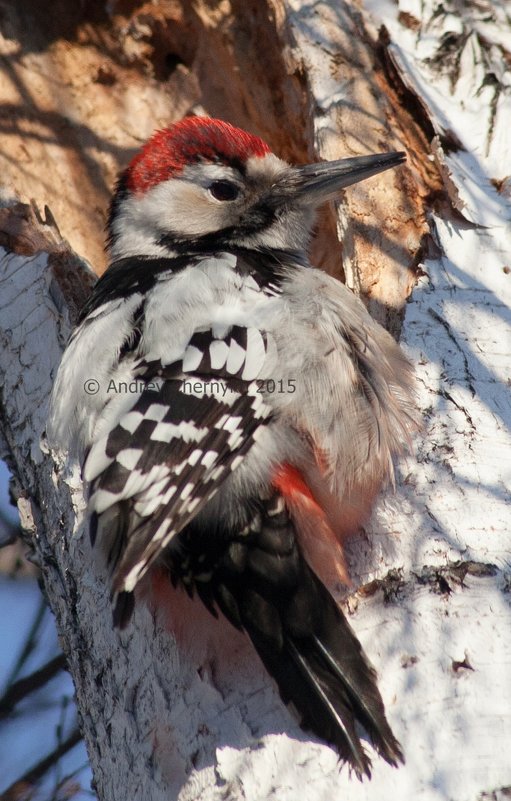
column 316, row 183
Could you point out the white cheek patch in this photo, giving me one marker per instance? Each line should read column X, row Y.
column 185, row 206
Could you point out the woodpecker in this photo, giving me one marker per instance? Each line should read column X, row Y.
column 245, row 410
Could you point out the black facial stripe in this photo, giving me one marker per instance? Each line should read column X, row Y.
column 258, row 219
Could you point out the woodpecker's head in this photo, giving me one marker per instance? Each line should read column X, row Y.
column 203, row 184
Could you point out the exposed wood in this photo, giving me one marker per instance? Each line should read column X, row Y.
column 85, row 86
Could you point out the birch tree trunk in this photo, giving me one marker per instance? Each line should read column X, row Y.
column 82, row 88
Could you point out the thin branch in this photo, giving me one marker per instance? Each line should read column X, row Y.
column 23, row 687
column 22, row 786
column 65, row 782
column 30, row 643
column 9, row 531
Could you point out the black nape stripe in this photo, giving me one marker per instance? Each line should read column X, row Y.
column 133, row 274
column 127, row 276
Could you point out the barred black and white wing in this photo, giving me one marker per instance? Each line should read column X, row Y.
column 188, row 427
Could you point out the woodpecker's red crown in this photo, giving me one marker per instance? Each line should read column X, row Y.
column 192, row 140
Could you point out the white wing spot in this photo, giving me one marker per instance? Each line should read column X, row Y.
column 191, row 359
column 193, row 504
column 156, row 412
column 129, row 457
column 232, row 423
column 97, row 460
column 103, row 499
column 130, row 582
column 218, row 352
column 209, row 458
column 236, row 357
column 185, row 430
column 162, row 530
column 131, row 421
column 155, row 489
column 187, row 491
column 147, row 507
column 168, row 495
column 138, row 482
column 236, row 461
column 194, row 457
column 234, row 439
column 217, row 472
column 256, row 354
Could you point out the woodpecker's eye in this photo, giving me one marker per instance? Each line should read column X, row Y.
column 224, row 190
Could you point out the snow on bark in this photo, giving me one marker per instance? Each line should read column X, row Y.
column 453, row 506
